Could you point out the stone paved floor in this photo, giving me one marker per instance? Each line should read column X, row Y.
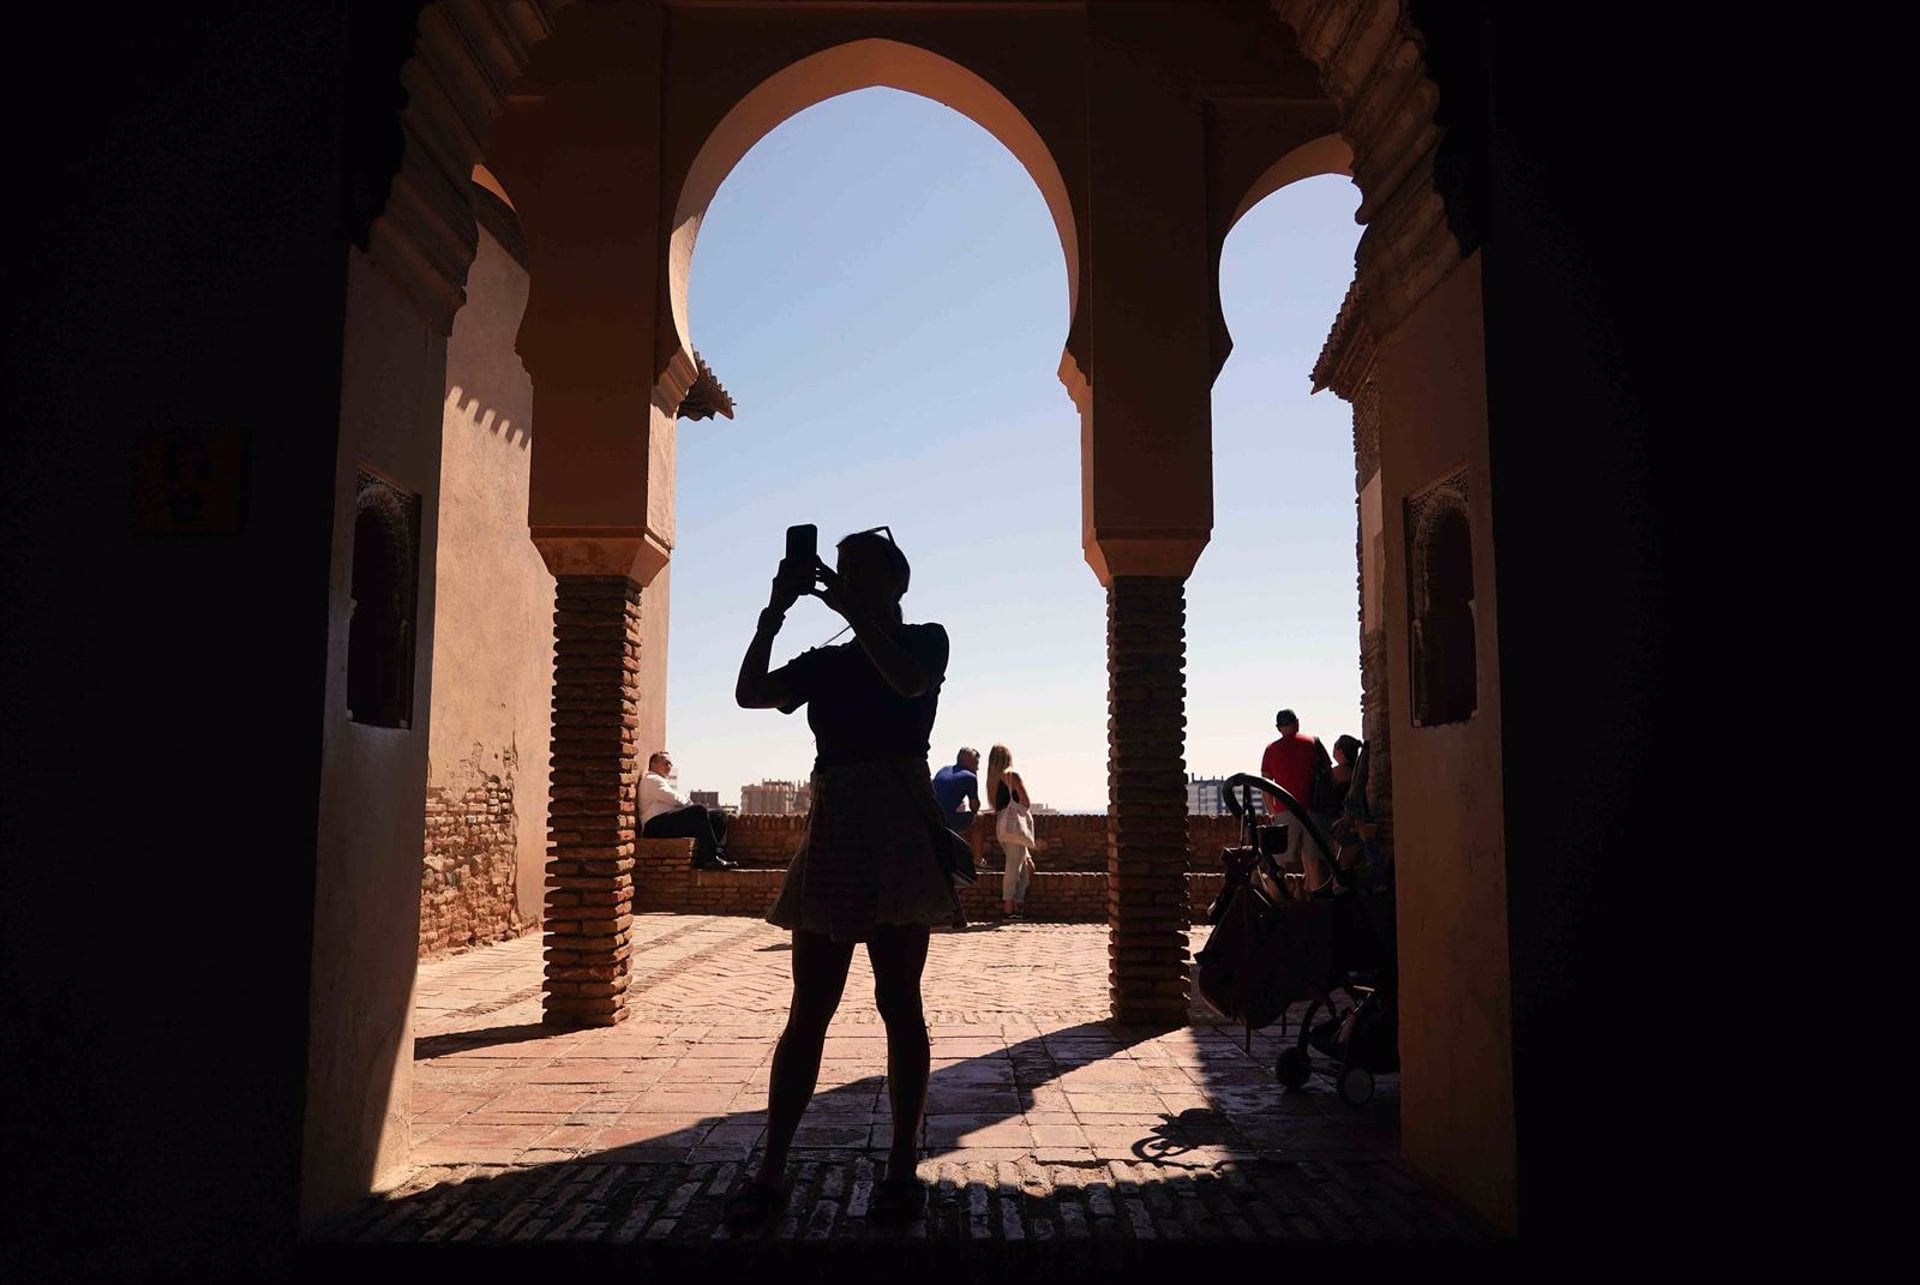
column 1049, row 1131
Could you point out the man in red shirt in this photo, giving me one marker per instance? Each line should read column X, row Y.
column 1289, row 763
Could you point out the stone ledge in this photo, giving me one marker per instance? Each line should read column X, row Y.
column 1074, row 843
column 1055, row 897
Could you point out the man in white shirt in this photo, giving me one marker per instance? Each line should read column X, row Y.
column 665, row 813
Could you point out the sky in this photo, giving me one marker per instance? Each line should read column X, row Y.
column 879, row 286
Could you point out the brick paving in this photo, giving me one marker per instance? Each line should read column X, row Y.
column 1050, row 1133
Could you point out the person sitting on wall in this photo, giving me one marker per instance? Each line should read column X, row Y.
column 665, row 813
column 953, row 785
column 959, row 783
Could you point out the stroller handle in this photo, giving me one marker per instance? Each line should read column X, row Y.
column 1240, row 807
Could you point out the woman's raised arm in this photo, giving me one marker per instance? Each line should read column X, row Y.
column 755, row 688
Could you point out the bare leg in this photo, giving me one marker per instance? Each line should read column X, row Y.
column 899, row 956
column 1010, row 876
column 819, row 976
column 1314, row 862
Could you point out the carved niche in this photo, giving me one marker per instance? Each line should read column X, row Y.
column 380, row 635
column 1439, row 531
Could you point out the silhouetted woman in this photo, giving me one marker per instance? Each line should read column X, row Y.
column 869, row 869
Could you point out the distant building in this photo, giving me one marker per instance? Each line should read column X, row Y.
column 1204, row 798
column 775, row 798
column 1042, row 810
column 705, row 798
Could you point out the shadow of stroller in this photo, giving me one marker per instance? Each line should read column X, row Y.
column 1177, row 1135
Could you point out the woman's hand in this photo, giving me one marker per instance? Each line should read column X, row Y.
column 756, row 688
column 829, row 588
column 791, row 582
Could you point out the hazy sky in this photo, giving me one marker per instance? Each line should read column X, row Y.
column 881, row 289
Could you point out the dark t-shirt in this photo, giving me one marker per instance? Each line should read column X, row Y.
column 855, row 716
column 952, row 784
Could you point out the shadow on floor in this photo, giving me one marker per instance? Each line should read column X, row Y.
column 426, row 1047
column 1259, row 1165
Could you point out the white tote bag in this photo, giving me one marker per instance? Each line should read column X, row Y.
column 1014, row 825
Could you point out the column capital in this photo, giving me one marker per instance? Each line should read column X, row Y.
column 602, row 551
column 1170, row 554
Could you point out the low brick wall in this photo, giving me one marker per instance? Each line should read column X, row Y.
column 1074, row 843
column 756, row 840
column 664, row 880
column 1206, row 836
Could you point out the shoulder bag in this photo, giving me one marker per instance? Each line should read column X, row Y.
column 1013, row 824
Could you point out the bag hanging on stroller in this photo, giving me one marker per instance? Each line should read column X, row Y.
column 1264, row 956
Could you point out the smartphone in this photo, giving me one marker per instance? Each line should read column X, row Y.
column 803, row 542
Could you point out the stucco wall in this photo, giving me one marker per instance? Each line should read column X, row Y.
column 372, row 779
column 493, row 660
column 1457, row 1107
column 493, row 630
column 653, row 664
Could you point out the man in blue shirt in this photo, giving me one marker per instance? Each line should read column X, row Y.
column 957, row 784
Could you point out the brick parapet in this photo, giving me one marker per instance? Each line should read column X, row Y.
column 1073, row 843
column 590, row 822
column 664, row 880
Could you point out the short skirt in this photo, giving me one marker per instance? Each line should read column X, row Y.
column 870, row 854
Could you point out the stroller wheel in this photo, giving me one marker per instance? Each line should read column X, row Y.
column 1356, row 1086
column 1293, row 1068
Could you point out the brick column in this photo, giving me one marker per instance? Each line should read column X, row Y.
column 590, row 824
column 1147, row 799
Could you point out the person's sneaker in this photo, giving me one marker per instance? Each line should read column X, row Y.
column 715, row 863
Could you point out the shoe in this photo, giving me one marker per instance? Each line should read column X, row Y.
column 716, row 863
column 897, row 1202
column 752, row 1205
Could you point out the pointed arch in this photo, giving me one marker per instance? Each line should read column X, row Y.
column 843, row 69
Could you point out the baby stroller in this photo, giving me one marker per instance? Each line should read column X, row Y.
column 1277, row 942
